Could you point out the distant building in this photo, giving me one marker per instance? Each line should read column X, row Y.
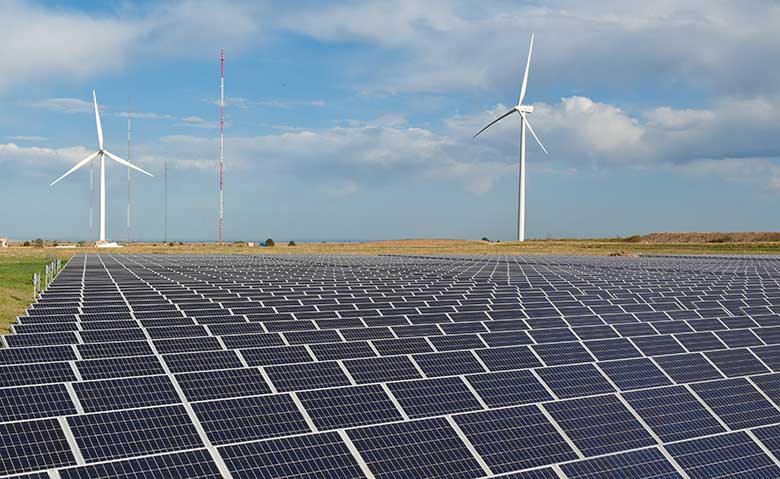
column 3, row 242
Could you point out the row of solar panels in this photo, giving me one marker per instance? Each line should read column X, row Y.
column 473, row 444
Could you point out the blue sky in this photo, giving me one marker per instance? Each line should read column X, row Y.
column 353, row 120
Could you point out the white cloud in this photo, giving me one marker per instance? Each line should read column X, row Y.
column 450, row 45
column 65, row 105
column 245, row 103
column 65, row 44
column 27, row 138
column 140, row 115
column 36, row 157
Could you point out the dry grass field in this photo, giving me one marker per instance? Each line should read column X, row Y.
column 17, row 264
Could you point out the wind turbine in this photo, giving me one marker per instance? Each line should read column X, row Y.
column 522, row 110
column 102, row 153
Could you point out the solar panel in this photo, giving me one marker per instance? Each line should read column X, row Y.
column 514, row 438
column 313, row 455
column 133, row 432
column 640, row 464
column 33, row 402
column 403, row 449
column 600, row 425
column 349, row 407
column 576, row 380
column 673, row 413
column 125, row 393
column 299, row 377
column 372, row 370
column 434, row 397
column 197, row 464
column 634, row 374
column 244, row 419
column 33, row 445
column 723, row 456
column 509, row 388
column 397, row 366
column 737, row 403
column 222, row 384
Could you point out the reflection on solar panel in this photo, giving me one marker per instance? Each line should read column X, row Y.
column 302, row 366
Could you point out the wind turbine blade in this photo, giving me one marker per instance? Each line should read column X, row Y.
column 525, row 76
column 534, row 134
column 78, row 165
column 126, row 163
column 495, row 121
column 97, row 121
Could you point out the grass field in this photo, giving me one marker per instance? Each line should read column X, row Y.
column 17, row 264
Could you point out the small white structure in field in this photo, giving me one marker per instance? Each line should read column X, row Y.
column 3, row 242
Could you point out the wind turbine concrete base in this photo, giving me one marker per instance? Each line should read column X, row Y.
column 106, row 244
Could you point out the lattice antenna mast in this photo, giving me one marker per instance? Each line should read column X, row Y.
column 221, row 136
column 128, row 169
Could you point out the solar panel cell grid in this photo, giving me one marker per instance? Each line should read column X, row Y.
column 501, row 345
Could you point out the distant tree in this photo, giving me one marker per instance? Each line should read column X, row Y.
column 171, row 243
column 485, row 238
column 80, row 243
column 269, row 242
column 56, row 243
column 38, row 243
column 181, row 244
column 291, row 243
column 26, row 243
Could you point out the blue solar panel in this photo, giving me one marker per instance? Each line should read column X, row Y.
column 513, row 357
column 641, row 464
column 724, row 456
column 509, row 388
column 685, row 368
column 34, row 402
column 673, row 413
column 575, row 380
column 298, row 377
column 600, row 425
column 196, row 464
column 514, row 438
column 33, row 445
column 245, row 419
column 222, row 384
column 133, row 432
column 449, row 363
column 315, row 455
column 405, row 449
column 434, row 397
column 125, row 393
column 737, row 403
column 632, row 374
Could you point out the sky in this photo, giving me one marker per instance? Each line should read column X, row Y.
column 354, row 120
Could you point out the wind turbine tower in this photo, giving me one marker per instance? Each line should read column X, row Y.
column 221, row 135
column 523, row 111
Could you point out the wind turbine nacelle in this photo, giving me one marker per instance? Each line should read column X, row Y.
column 525, row 108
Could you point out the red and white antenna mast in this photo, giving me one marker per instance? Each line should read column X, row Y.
column 128, row 169
column 221, row 134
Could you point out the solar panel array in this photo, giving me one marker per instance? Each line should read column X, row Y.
column 165, row 366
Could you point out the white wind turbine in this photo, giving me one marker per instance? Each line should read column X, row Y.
column 522, row 110
column 101, row 153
